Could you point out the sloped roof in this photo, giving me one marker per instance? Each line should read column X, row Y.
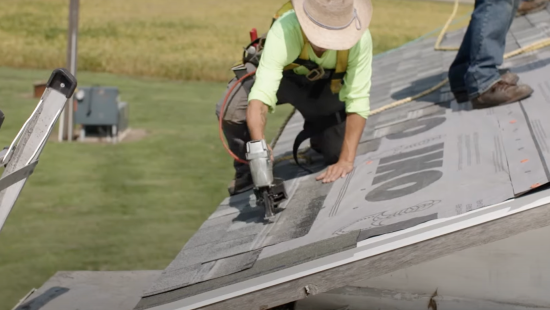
column 422, row 162
column 90, row 290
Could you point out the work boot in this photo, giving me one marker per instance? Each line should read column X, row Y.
column 508, row 77
column 501, row 93
column 527, row 7
column 240, row 184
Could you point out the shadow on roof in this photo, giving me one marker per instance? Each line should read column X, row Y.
column 40, row 301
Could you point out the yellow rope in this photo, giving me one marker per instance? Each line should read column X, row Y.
column 409, row 99
column 437, row 46
column 529, row 48
column 300, row 155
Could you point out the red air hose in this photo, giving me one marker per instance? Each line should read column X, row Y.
column 222, row 112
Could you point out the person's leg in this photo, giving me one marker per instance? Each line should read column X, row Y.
column 490, row 23
column 236, row 129
column 330, row 142
column 236, row 133
column 316, row 143
column 459, row 67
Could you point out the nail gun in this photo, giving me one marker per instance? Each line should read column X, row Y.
column 269, row 191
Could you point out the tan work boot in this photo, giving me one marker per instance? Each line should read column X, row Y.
column 501, row 93
column 527, row 7
column 508, row 77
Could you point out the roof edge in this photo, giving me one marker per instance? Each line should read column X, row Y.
column 371, row 248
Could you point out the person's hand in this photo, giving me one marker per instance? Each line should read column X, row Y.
column 336, row 171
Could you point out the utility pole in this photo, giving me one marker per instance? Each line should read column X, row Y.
column 66, row 119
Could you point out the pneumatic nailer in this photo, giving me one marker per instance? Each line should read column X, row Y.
column 269, row 191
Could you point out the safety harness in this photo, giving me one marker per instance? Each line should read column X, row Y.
column 315, row 74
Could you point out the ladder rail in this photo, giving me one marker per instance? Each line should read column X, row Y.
column 22, row 156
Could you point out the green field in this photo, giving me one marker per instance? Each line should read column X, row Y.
column 134, row 205
column 107, row 207
column 180, row 39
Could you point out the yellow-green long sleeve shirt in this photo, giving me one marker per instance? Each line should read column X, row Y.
column 284, row 44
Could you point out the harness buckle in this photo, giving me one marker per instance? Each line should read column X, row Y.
column 316, row 74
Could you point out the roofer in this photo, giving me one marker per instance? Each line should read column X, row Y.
column 474, row 74
column 317, row 57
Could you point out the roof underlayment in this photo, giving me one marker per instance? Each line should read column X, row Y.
column 426, row 160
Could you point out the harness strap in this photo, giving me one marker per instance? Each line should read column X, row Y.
column 286, row 7
column 314, row 127
column 341, row 67
column 301, row 137
column 336, row 75
column 303, row 59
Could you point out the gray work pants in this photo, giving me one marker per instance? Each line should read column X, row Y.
column 294, row 90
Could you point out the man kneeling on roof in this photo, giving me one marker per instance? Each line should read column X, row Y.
column 317, row 57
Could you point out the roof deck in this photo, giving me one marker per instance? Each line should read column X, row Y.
column 422, row 167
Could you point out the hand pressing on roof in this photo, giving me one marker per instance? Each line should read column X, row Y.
column 336, row 171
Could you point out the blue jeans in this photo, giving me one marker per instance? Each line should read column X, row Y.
column 475, row 68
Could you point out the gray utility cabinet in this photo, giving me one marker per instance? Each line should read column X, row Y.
column 99, row 112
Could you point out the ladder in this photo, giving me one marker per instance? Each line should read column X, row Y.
column 21, row 157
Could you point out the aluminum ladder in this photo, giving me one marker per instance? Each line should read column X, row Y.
column 21, row 157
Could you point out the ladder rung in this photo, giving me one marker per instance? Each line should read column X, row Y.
column 17, row 176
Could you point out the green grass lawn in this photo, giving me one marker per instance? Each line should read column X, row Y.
column 179, row 39
column 114, row 207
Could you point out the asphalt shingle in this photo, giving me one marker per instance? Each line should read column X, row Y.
column 427, row 159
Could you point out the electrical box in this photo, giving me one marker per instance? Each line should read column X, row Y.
column 99, row 112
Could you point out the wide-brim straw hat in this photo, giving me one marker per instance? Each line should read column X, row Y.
column 333, row 24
